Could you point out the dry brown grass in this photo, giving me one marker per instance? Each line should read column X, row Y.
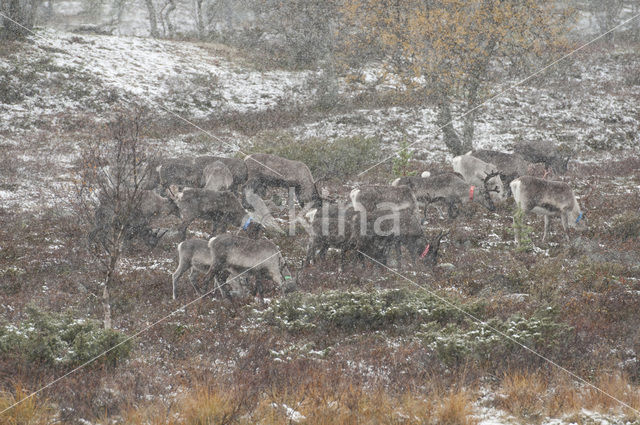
column 455, row 408
column 614, row 389
column 523, row 394
column 319, row 404
column 32, row 411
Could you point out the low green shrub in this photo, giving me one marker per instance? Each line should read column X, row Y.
column 60, row 340
column 339, row 158
column 626, row 226
column 494, row 339
column 522, row 231
column 402, row 161
column 359, row 310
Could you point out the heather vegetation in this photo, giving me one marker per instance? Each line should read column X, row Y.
column 491, row 332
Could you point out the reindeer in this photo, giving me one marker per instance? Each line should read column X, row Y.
column 236, row 166
column 340, row 226
column 449, row 188
column 189, row 171
column 235, row 255
column 332, row 226
column 548, row 198
column 266, row 170
column 475, row 171
column 386, row 231
column 151, row 205
column 222, row 207
column 217, row 176
column 510, row 165
column 546, row 153
column 371, row 197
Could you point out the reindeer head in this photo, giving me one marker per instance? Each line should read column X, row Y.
column 484, row 197
column 580, row 221
column 429, row 252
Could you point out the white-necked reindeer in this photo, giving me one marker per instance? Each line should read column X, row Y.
column 548, row 198
column 475, row 170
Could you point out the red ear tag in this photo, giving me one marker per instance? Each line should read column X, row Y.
column 471, row 190
column 426, row 251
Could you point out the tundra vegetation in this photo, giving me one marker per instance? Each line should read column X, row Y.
column 88, row 229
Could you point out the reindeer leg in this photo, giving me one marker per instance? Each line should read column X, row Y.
column 192, row 279
column 546, row 224
column 565, row 222
column 182, row 229
column 182, row 267
column 516, row 234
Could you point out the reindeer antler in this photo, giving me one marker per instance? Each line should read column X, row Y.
column 489, row 176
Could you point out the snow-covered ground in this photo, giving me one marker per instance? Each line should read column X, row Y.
column 61, row 78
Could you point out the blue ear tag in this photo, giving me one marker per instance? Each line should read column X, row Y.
column 579, row 218
column 287, row 277
column 246, row 224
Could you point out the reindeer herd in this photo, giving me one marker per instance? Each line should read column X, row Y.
column 375, row 220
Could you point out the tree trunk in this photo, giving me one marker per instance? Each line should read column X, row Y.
column 12, row 29
column 106, row 302
column 470, row 117
column 108, row 283
column 445, row 121
column 153, row 22
column 167, row 17
column 199, row 18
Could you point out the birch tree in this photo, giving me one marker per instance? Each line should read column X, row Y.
column 446, row 47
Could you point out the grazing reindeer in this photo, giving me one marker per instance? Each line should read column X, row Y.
column 236, row 166
column 546, row 153
column 193, row 255
column 548, row 198
column 151, row 206
column 510, row 165
column 340, row 226
column 332, row 227
column 217, row 176
column 385, row 232
column 266, row 170
column 222, row 207
column 449, row 188
column 475, row 171
column 236, row 254
column 381, row 197
column 189, row 171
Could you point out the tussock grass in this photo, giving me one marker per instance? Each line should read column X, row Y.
column 33, row 411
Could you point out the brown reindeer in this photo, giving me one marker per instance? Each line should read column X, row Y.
column 548, row 198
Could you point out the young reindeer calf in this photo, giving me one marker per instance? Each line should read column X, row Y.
column 548, row 198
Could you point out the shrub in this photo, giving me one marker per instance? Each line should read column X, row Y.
column 626, row 226
column 522, row 230
column 337, row 158
column 358, row 310
column 60, row 340
column 486, row 342
column 401, row 162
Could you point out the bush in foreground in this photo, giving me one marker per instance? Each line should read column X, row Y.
column 60, row 340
